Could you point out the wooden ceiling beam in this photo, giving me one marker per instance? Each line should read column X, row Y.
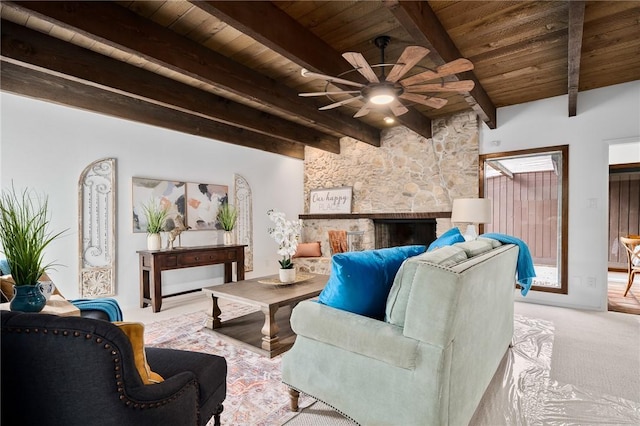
column 576, row 25
column 118, row 27
column 35, row 84
column 34, row 49
column 419, row 20
column 290, row 39
column 500, row 168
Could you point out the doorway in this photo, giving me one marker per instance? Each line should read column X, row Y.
column 624, row 219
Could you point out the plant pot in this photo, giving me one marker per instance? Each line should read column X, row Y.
column 27, row 298
column 287, row 275
column 228, row 238
column 154, row 242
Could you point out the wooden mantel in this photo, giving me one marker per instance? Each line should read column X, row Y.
column 378, row 216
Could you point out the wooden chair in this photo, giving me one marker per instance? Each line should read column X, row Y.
column 631, row 243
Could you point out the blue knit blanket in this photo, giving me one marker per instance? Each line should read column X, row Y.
column 524, row 268
column 107, row 305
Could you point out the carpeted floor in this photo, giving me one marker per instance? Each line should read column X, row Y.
column 553, row 375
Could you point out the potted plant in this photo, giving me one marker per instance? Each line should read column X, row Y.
column 286, row 234
column 156, row 216
column 24, row 234
column 227, row 216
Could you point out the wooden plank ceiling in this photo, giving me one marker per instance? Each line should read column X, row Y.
column 231, row 71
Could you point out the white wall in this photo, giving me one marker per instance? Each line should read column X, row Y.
column 621, row 151
column 45, row 146
column 603, row 115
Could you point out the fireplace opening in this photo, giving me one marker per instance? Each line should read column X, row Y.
column 403, row 232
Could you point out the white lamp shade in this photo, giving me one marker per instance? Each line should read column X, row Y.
column 471, row 210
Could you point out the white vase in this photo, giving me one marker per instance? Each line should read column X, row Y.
column 287, row 275
column 154, row 242
column 228, row 238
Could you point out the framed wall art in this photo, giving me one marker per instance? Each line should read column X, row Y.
column 170, row 194
column 203, row 202
column 330, row 200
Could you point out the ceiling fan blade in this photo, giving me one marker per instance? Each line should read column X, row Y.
column 447, row 86
column 453, row 67
column 436, row 103
column 339, row 92
column 397, row 108
column 362, row 111
column 330, row 79
column 361, row 65
column 340, row 103
column 411, row 56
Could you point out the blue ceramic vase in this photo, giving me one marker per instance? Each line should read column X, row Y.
column 27, row 298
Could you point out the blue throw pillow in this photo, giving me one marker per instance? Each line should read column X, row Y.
column 360, row 281
column 450, row 237
column 4, row 267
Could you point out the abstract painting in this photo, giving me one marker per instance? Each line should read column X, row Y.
column 170, row 194
column 203, row 201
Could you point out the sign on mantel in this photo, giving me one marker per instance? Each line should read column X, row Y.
column 330, row 200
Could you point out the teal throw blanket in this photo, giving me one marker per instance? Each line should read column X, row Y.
column 107, row 305
column 524, row 268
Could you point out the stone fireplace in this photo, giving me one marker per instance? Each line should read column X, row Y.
column 407, row 178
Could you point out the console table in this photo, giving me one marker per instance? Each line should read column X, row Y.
column 153, row 262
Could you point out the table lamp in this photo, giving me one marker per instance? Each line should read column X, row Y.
column 471, row 211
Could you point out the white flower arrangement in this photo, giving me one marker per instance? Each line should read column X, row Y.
column 286, row 234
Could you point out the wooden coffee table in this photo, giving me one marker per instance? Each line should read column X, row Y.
column 267, row 331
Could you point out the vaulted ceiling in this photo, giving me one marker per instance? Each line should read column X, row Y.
column 231, row 70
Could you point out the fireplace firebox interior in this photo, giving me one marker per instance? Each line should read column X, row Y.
column 402, row 232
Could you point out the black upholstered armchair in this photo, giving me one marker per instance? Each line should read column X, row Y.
column 81, row 371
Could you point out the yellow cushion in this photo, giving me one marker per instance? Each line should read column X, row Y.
column 135, row 333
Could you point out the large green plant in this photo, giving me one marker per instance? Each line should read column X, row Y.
column 24, row 222
column 227, row 215
column 156, row 216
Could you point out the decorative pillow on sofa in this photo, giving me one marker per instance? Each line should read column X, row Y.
column 450, row 237
column 135, row 332
column 6, row 287
column 308, row 250
column 360, row 280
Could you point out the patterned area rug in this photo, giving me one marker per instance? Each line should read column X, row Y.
column 255, row 393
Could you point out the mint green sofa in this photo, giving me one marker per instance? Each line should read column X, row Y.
column 448, row 324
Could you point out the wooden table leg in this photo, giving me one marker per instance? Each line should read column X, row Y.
column 270, row 329
column 228, row 272
column 156, row 289
column 213, row 320
column 240, row 264
column 144, row 287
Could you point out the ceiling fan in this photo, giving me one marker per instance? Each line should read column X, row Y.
column 386, row 90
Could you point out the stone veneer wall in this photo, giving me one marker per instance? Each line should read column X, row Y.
column 407, row 173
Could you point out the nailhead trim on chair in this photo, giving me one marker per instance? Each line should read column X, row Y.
column 317, row 399
column 116, row 360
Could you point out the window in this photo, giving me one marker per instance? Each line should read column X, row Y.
column 529, row 190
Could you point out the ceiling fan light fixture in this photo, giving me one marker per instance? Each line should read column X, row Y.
column 382, row 95
column 389, row 120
